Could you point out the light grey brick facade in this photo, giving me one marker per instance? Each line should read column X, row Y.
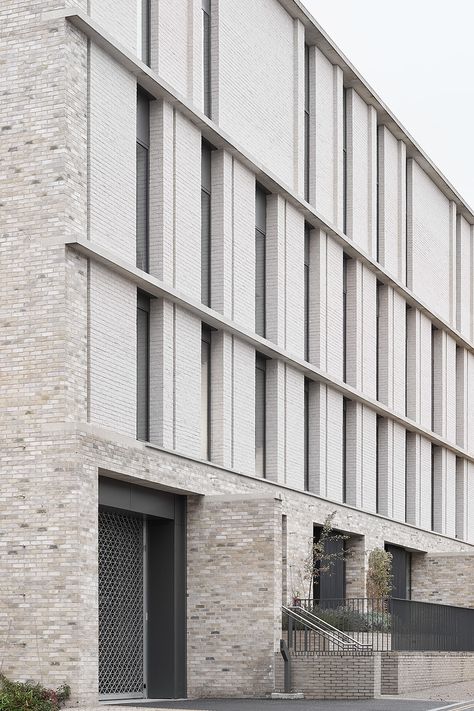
column 69, row 74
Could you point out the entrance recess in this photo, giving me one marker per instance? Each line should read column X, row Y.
column 142, row 592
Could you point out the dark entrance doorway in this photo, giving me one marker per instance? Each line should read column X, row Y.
column 401, row 571
column 142, row 592
column 330, row 585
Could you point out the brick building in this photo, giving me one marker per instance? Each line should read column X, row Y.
column 236, row 296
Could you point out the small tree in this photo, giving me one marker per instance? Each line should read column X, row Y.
column 319, row 559
column 379, row 574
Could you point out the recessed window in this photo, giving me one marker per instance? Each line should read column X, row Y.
column 143, row 365
column 142, row 186
column 344, row 317
column 206, row 56
column 143, row 30
column 260, row 413
column 306, row 122
column 307, row 237
column 260, row 257
column 307, row 384
column 206, row 223
column 206, row 393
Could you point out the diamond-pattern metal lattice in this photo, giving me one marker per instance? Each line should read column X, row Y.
column 120, row 604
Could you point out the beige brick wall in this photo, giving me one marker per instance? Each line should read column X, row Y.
column 331, row 676
column 256, row 102
column 430, row 242
column 403, row 672
column 326, row 137
column 464, row 281
column 234, row 574
column 392, row 203
column 446, row 578
column 361, row 172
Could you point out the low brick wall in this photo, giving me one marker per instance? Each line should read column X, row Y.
column 332, row 676
column 403, row 672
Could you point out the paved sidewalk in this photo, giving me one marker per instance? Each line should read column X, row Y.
column 383, row 704
column 451, row 692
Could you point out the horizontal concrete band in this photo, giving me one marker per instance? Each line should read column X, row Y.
column 160, row 89
column 156, row 287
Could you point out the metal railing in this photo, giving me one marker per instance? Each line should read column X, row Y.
column 366, row 620
column 383, row 625
column 307, row 633
column 426, row 626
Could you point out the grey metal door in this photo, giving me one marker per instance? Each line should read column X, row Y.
column 121, row 605
column 401, row 572
column 330, row 586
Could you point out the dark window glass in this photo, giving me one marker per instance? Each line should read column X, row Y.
column 344, row 449
column 206, row 56
column 407, row 472
column 378, row 473
column 306, row 434
column 307, row 233
column 344, row 318
column 206, row 393
column 143, row 35
column 143, row 347
column 433, row 486
column 260, row 414
column 260, row 257
column 142, row 186
column 206, row 224
column 378, row 353
column 142, row 207
column 434, row 369
column 344, row 159
column 306, row 123
column 378, row 169
column 408, row 347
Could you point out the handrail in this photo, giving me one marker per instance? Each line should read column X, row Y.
column 341, row 639
column 315, row 627
column 312, row 616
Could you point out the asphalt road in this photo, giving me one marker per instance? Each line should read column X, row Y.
column 386, row 704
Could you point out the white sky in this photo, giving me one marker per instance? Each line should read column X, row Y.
column 418, row 55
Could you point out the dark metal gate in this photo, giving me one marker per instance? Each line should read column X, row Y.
column 121, row 605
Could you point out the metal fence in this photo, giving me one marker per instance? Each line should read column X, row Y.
column 366, row 620
column 385, row 624
column 425, row 626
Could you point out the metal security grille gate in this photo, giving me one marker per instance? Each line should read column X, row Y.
column 121, row 605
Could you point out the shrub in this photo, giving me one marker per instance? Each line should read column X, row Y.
column 379, row 574
column 347, row 620
column 343, row 618
column 27, row 696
